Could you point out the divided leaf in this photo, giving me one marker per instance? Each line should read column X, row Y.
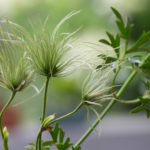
column 142, row 40
column 143, row 106
column 124, row 29
column 58, row 138
column 114, row 42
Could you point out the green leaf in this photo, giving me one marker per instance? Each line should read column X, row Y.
column 147, row 85
column 67, row 143
column 104, row 42
column 135, row 54
column 61, row 136
column 76, row 148
column 47, row 143
column 118, row 15
column 147, row 113
column 30, row 147
column 107, row 59
column 137, row 109
column 142, row 40
column 58, row 133
column 128, row 28
column 54, row 133
column 144, row 100
column 110, row 60
column 122, row 29
column 111, row 37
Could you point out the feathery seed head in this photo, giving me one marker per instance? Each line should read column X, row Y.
column 15, row 70
column 49, row 54
column 96, row 88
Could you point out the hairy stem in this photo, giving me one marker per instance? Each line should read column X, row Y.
column 109, row 106
column 1, row 116
column 44, row 109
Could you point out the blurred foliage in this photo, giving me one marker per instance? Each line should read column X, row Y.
column 94, row 14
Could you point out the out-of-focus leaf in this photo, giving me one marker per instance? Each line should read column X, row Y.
column 114, row 42
column 58, row 138
column 47, row 119
column 47, row 143
column 142, row 40
column 76, row 148
column 61, row 135
column 118, row 15
column 147, row 85
column 54, row 133
column 104, row 42
column 137, row 109
column 147, row 113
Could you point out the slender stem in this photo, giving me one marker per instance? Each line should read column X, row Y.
column 111, row 103
column 44, row 110
column 58, row 119
column 44, row 99
column 129, row 101
column 115, row 75
column 126, row 83
column 2, row 113
column 67, row 115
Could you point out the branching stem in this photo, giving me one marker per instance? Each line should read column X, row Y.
column 109, row 106
column 39, row 137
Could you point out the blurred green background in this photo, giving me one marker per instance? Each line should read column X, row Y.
column 95, row 18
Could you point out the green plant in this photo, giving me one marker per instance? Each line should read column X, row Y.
column 48, row 55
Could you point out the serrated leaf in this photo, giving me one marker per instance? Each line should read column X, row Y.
column 137, row 109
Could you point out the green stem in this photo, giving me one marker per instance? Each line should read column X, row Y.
column 44, row 110
column 1, row 116
column 67, row 115
column 111, row 103
column 115, row 75
column 44, row 99
column 129, row 101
